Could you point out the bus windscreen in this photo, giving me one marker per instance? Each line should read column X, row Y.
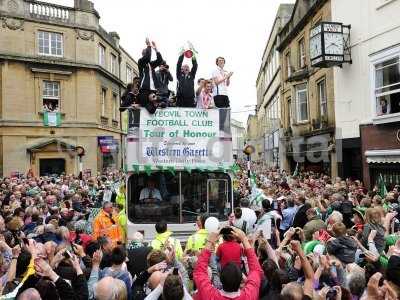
column 178, row 198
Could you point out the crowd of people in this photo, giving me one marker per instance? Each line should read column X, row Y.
column 303, row 236
column 151, row 89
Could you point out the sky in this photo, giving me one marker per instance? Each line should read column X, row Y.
column 235, row 29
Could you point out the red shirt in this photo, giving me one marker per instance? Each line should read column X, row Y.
column 229, row 251
column 206, row 291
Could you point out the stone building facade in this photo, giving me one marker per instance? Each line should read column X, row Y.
column 57, row 62
column 268, row 92
column 307, row 94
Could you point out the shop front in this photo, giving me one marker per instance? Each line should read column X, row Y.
column 311, row 153
column 272, row 149
column 380, row 154
column 109, row 150
column 52, row 158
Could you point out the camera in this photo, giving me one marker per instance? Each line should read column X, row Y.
column 331, row 295
column 67, row 254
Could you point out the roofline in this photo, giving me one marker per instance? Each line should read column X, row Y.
column 289, row 37
column 270, row 35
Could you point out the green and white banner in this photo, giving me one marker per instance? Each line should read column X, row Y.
column 51, row 119
column 180, row 137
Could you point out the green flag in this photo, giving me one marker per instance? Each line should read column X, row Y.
column 382, row 191
column 51, row 119
column 221, row 169
column 253, row 179
column 200, row 169
column 296, row 171
column 160, row 167
column 234, row 168
column 147, row 169
column 136, row 168
column 171, row 169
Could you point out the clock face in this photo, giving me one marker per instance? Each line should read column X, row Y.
column 333, row 43
column 315, row 46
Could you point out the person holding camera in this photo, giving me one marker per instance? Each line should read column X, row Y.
column 164, row 77
column 185, row 76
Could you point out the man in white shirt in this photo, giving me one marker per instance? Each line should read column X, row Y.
column 150, row 194
column 221, row 79
column 248, row 215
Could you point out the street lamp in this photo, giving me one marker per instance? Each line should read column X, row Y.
column 80, row 151
column 249, row 150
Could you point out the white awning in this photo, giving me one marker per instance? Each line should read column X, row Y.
column 383, row 156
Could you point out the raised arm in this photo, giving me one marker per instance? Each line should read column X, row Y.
column 146, row 56
column 159, row 60
column 194, row 67
column 179, row 67
column 307, row 268
column 200, row 273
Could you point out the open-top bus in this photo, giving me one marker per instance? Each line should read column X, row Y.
column 177, row 164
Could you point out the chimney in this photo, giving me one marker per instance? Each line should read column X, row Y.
column 84, row 5
column 115, row 37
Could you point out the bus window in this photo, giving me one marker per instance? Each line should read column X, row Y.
column 202, row 192
column 152, row 198
column 205, row 192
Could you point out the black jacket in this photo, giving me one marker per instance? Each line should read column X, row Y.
column 127, row 100
column 146, row 66
column 138, row 260
column 164, row 78
column 300, row 218
column 343, row 248
column 185, row 83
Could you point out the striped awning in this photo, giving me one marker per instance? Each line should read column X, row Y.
column 383, row 156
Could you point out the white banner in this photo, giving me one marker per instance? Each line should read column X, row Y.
column 179, row 137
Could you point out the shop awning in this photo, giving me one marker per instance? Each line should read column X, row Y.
column 383, row 156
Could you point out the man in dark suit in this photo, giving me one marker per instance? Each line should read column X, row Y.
column 185, row 77
column 149, row 83
column 300, row 218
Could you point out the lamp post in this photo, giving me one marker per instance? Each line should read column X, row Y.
column 81, row 152
column 248, row 150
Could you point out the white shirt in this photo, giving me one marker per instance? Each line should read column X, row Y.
column 250, row 217
column 222, row 88
column 145, row 194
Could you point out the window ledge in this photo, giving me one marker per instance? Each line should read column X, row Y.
column 301, row 123
column 389, row 118
column 41, row 113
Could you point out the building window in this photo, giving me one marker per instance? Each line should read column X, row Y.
column 289, row 111
column 302, row 54
column 129, row 74
column 51, row 96
column 113, row 64
column 301, row 103
column 387, row 87
column 50, row 43
column 102, row 55
column 323, row 103
column 103, row 102
column 288, row 65
column 114, row 107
